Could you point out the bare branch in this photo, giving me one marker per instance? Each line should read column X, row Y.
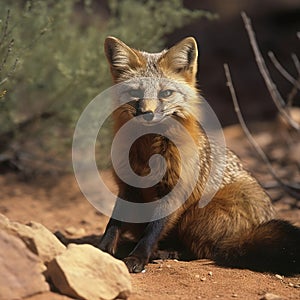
column 296, row 62
column 283, row 71
column 8, row 52
column 294, row 188
column 276, row 97
column 3, row 81
column 5, row 27
column 292, row 94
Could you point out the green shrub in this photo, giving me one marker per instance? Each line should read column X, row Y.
column 52, row 63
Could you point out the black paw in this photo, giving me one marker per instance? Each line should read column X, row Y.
column 135, row 264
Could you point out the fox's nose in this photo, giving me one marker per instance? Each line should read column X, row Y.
column 147, row 115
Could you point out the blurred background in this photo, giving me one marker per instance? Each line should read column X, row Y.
column 52, row 64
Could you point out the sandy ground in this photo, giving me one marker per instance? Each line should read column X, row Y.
column 59, row 205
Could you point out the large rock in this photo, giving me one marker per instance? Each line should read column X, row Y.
column 85, row 272
column 20, row 270
column 37, row 238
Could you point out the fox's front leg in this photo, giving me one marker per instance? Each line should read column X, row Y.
column 140, row 255
column 110, row 237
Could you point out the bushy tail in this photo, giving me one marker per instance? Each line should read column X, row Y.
column 273, row 246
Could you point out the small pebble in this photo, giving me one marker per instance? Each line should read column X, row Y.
column 210, row 273
column 70, row 230
column 203, row 278
column 234, row 295
column 291, row 284
column 279, row 276
column 197, row 276
column 144, row 271
column 168, row 266
column 75, row 231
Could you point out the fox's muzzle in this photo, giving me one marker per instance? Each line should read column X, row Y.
column 148, row 105
column 147, row 108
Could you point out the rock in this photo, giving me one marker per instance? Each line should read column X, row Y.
column 21, row 270
column 85, row 272
column 49, row 296
column 37, row 238
column 75, row 231
column 270, row 296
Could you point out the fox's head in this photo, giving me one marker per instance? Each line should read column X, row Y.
column 157, row 84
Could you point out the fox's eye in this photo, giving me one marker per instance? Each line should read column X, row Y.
column 136, row 93
column 165, row 93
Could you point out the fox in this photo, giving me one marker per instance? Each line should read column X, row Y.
column 237, row 228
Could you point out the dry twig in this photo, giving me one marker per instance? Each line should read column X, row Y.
column 292, row 94
column 5, row 27
column 296, row 62
column 275, row 95
column 283, row 71
column 291, row 188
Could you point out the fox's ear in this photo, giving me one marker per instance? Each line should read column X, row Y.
column 182, row 58
column 122, row 59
